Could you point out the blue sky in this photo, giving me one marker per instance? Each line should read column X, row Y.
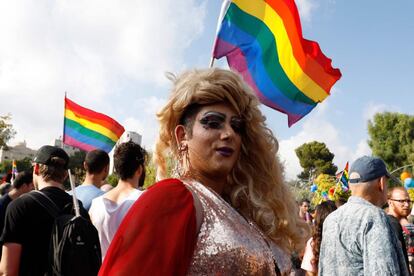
column 111, row 56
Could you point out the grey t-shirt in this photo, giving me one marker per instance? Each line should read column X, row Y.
column 358, row 239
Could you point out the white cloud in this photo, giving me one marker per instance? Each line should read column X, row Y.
column 361, row 150
column 306, row 8
column 146, row 124
column 92, row 49
column 317, row 128
column 372, row 108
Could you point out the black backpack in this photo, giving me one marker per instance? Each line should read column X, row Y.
column 74, row 244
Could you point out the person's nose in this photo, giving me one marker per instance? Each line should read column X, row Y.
column 227, row 132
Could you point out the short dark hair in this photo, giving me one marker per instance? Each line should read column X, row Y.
column 96, row 161
column 128, row 157
column 304, row 200
column 188, row 117
column 25, row 177
column 56, row 171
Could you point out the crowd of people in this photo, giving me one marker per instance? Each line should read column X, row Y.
column 220, row 205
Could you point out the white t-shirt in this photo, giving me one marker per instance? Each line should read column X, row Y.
column 107, row 215
column 307, row 258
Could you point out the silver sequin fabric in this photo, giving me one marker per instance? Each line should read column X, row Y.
column 228, row 244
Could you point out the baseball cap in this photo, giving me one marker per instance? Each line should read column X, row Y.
column 368, row 168
column 45, row 154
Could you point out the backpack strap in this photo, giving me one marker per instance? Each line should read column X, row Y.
column 45, row 201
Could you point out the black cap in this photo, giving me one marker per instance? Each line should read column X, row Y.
column 368, row 168
column 45, row 154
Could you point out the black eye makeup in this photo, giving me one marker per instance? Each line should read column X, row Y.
column 237, row 124
column 216, row 120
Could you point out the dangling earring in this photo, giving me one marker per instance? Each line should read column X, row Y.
column 178, row 170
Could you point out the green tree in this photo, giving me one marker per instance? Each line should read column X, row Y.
column 22, row 165
column 112, row 179
column 329, row 189
column 315, row 158
column 392, row 138
column 5, row 166
column 6, row 129
column 299, row 190
column 150, row 172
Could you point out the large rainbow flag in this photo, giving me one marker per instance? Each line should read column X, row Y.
column 262, row 39
column 89, row 130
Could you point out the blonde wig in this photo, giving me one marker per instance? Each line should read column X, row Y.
column 255, row 186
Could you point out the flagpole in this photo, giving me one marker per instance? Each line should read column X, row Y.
column 211, row 62
column 64, row 110
column 75, row 199
column 224, row 6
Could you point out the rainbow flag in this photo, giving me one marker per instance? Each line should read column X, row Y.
column 89, row 130
column 14, row 167
column 14, row 171
column 262, row 40
column 345, row 176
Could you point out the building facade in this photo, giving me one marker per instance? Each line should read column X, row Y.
column 69, row 149
column 18, row 152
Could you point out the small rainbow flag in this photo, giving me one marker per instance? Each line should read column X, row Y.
column 14, row 167
column 89, row 130
column 345, row 176
column 262, row 40
column 14, row 171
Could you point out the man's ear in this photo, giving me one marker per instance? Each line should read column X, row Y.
column 106, row 169
column 382, row 183
column 66, row 176
column 139, row 170
column 181, row 135
column 85, row 166
column 36, row 169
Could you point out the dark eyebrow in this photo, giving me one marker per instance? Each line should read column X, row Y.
column 216, row 113
column 236, row 117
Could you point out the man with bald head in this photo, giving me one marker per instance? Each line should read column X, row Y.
column 358, row 238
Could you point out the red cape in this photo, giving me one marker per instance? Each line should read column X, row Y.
column 158, row 234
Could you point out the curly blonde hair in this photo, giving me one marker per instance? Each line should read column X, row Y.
column 255, row 186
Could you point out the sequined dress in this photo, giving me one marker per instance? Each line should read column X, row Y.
column 228, row 244
column 159, row 236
